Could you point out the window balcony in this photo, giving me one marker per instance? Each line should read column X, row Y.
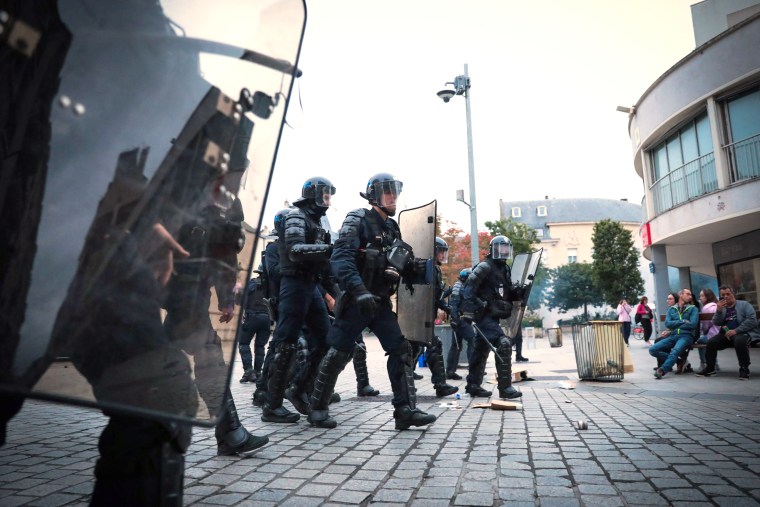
column 744, row 159
column 687, row 182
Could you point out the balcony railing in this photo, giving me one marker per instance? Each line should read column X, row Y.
column 684, row 183
column 744, row 158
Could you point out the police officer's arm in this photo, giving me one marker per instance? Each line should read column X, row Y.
column 345, row 255
column 456, row 293
column 295, row 241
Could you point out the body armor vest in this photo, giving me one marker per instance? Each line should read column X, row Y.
column 300, row 227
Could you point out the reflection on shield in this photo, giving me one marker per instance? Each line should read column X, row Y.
column 128, row 229
column 524, row 269
column 416, row 311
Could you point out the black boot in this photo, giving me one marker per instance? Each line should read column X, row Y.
column 307, row 363
column 406, row 417
column 504, row 370
column 452, row 375
column 404, row 392
column 231, row 437
column 272, row 410
column 329, row 369
column 476, row 391
column 363, row 388
column 437, row 369
column 247, row 376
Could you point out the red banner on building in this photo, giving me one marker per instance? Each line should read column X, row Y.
column 646, row 235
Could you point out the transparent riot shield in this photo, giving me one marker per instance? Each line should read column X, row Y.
column 416, row 309
column 143, row 141
column 524, row 269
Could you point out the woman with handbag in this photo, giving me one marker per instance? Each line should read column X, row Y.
column 644, row 317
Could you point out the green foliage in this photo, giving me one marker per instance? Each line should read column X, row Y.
column 616, row 263
column 572, row 286
column 580, row 319
column 522, row 237
column 532, row 319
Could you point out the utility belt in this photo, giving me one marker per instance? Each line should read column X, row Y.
column 303, row 274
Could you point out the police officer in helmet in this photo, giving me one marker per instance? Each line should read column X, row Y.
column 488, row 296
column 271, row 264
column 304, row 249
column 369, row 261
column 462, row 330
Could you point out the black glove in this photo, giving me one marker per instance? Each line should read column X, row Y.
column 366, row 301
column 518, row 292
column 467, row 317
column 446, row 308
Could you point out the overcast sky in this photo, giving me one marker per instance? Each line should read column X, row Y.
column 546, row 77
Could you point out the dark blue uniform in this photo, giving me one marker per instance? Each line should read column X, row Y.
column 487, row 297
column 358, row 263
column 271, row 267
column 304, row 249
column 462, row 330
column 256, row 323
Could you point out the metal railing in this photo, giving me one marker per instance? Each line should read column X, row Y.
column 684, row 183
column 744, row 158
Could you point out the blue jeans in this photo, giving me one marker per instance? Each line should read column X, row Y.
column 670, row 348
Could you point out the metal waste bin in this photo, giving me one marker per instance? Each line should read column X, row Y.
column 599, row 350
column 555, row 336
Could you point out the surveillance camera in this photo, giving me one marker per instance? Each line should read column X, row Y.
column 446, row 94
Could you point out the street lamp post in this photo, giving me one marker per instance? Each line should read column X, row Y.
column 462, row 87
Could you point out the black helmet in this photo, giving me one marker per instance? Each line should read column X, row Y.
column 318, row 190
column 501, row 248
column 464, row 274
column 279, row 217
column 442, row 247
column 380, row 185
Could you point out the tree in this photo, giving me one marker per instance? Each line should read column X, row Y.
column 522, row 237
column 572, row 286
column 616, row 263
column 459, row 251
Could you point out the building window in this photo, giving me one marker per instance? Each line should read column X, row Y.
column 539, row 233
column 743, row 116
column 572, row 255
column 683, row 166
column 516, row 212
column 542, row 211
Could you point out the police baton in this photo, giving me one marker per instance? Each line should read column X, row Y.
column 490, row 346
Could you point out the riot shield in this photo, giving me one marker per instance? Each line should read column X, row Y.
column 416, row 309
column 143, row 136
column 524, row 267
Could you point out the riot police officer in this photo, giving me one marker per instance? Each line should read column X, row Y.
column 304, row 249
column 488, row 296
column 271, row 267
column 256, row 324
column 434, row 354
column 462, row 331
column 369, row 261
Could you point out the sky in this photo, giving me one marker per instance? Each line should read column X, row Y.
column 546, row 77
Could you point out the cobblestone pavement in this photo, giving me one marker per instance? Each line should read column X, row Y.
column 683, row 440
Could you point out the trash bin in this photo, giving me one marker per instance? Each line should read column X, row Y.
column 555, row 336
column 599, row 350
